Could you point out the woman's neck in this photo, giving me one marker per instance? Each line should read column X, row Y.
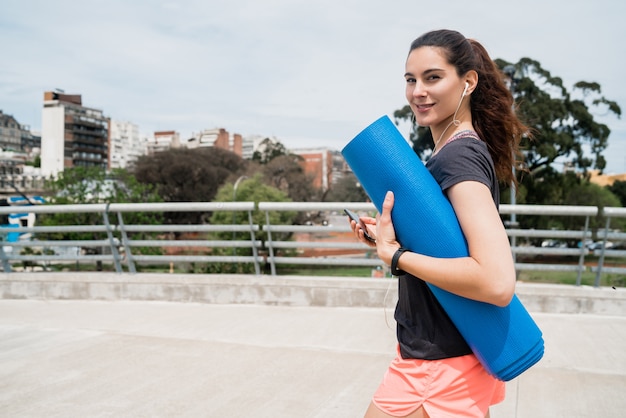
column 440, row 138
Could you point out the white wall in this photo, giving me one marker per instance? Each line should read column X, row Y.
column 52, row 140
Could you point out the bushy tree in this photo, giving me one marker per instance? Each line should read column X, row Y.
column 562, row 122
column 285, row 173
column 347, row 189
column 88, row 185
column 250, row 189
column 619, row 189
column 267, row 150
column 188, row 175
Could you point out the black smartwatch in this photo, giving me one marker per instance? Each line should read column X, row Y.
column 394, row 261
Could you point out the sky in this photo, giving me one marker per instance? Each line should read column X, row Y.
column 309, row 73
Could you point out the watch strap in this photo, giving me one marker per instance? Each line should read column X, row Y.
column 394, row 261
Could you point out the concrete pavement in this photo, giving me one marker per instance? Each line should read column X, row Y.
column 123, row 358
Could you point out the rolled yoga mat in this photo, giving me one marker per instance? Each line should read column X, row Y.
column 506, row 340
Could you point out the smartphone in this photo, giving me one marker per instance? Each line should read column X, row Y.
column 356, row 219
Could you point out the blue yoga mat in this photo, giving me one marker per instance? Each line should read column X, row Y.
column 506, row 340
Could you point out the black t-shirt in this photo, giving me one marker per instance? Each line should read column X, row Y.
column 424, row 329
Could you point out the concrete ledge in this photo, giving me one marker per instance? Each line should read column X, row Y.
column 279, row 290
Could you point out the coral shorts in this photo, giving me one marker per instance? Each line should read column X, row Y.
column 452, row 387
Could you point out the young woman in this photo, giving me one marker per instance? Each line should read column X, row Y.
column 453, row 87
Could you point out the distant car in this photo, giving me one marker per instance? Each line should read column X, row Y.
column 553, row 243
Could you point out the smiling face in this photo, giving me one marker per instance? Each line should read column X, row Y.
column 434, row 89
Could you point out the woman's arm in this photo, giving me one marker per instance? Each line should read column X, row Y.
column 487, row 274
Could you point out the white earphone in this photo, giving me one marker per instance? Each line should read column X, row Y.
column 465, row 90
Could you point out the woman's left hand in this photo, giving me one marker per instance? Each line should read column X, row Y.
column 386, row 242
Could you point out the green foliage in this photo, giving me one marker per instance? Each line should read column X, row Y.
column 619, row 189
column 92, row 185
column 251, row 189
column 268, row 150
column 567, row 189
column 286, row 174
column 562, row 120
column 188, row 175
column 347, row 189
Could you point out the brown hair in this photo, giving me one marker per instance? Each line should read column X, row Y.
column 491, row 101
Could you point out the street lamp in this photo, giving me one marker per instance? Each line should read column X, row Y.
column 239, row 180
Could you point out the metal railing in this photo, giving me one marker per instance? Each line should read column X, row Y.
column 121, row 244
column 120, row 236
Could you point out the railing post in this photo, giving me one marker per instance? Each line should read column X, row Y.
column 255, row 253
column 114, row 252
column 6, row 266
column 126, row 244
column 269, row 242
column 581, row 260
column 601, row 260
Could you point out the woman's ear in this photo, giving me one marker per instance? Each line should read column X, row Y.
column 471, row 81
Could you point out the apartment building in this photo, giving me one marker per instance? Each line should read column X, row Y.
column 72, row 135
column 218, row 138
column 126, row 144
column 317, row 162
column 162, row 141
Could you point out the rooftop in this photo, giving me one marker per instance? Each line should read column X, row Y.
column 266, row 350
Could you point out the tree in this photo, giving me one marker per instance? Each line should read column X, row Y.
column 285, row 173
column 619, row 189
column 88, row 185
column 251, row 189
column 562, row 122
column 347, row 189
column 268, row 150
column 188, row 175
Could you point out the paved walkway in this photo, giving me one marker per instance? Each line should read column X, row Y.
column 166, row 359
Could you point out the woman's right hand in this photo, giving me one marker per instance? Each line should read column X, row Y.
column 357, row 228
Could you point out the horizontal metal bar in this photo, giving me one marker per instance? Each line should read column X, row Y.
column 336, row 261
column 610, row 270
column 60, row 229
column 547, row 233
column 547, row 251
column 546, row 267
column 610, row 253
column 192, row 258
column 59, row 243
column 182, row 207
column 554, row 210
column 194, row 243
column 191, row 228
column 315, row 206
column 59, row 257
column 307, row 228
column 132, row 207
column 321, row 245
column 614, row 212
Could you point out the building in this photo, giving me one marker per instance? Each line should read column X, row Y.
column 10, row 133
column 126, row 144
column 17, row 137
column 218, row 138
column 72, row 135
column 318, row 163
column 163, row 141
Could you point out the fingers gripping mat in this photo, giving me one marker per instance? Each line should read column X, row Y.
column 506, row 340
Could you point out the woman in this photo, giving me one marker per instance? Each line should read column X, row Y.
column 453, row 87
